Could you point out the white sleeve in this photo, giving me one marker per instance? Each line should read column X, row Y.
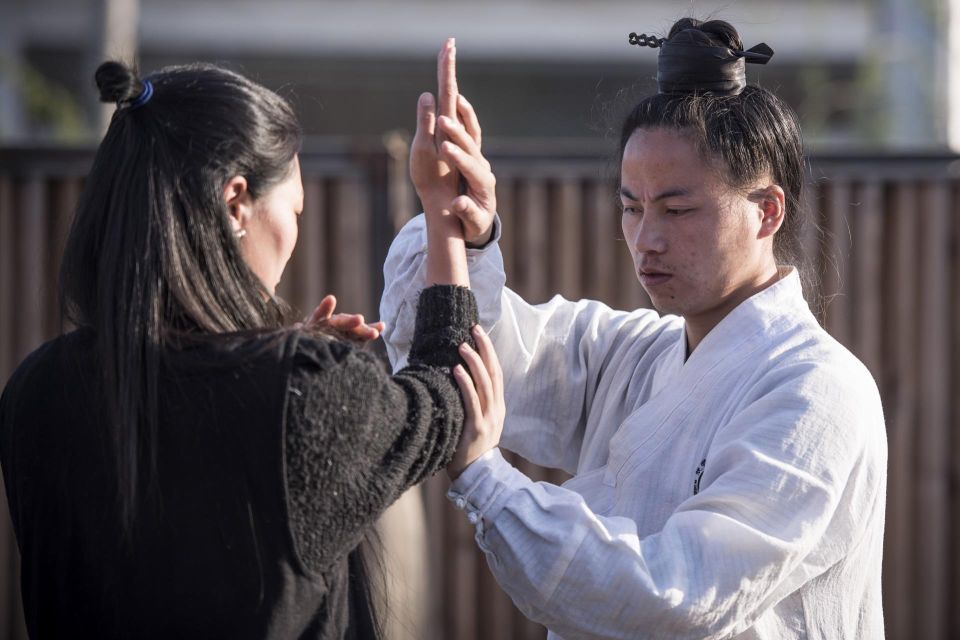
column 552, row 354
column 405, row 275
column 792, row 490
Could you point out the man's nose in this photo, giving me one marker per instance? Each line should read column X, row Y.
column 648, row 236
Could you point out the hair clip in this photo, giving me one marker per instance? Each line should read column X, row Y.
column 643, row 40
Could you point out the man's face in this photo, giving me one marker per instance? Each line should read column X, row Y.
column 695, row 241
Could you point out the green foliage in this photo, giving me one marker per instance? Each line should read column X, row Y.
column 51, row 110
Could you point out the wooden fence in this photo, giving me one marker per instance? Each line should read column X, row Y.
column 888, row 268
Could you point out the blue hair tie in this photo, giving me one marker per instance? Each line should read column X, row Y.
column 144, row 96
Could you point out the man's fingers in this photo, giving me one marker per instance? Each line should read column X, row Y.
column 426, row 120
column 477, row 174
column 457, row 134
column 475, row 220
column 447, row 79
column 469, row 118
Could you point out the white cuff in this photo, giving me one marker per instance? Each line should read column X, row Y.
column 484, row 487
column 474, row 253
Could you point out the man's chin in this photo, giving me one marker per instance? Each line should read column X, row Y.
column 666, row 305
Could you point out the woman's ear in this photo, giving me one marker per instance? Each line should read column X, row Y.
column 772, row 207
column 236, row 195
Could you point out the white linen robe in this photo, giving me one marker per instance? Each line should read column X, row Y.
column 737, row 494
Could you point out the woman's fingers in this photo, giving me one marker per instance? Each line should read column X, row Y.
column 469, row 118
column 471, row 401
column 324, row 310
column 346, row 321
column 479, row 373
column 353, row 327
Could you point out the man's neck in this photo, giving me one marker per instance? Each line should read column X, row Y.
column 697, row 327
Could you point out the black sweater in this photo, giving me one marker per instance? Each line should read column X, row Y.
column 273, row 459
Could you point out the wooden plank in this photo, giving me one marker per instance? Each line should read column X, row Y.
column 462, row 578
column 810, row 236
column 565, row 227
column 534, row 261
column 436, row 508
column 401, row 195
column 808, row 264
column 901, row 410
column 349, row 241
column 868, row 278
column 507, row 208
column 836, row 296
column 405, row 561
column 311, row 244
column 601, row 283
column 814, row 246
column 934, row 371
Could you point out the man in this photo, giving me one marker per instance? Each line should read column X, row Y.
column 729, row 461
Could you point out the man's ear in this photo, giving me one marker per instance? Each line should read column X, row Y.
column 772, row 208
column 236, row 195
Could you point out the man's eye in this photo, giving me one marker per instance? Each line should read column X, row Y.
column 678, row 212
column 632, row 211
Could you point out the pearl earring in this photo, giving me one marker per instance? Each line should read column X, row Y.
column 241, row 233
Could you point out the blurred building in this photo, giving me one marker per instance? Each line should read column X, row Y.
column 862, row 73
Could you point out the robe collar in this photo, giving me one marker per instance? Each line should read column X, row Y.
column 759, row 317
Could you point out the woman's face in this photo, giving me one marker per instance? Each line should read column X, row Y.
column 699, row 247
column 271, row 229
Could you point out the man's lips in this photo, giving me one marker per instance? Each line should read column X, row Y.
column 653, row 277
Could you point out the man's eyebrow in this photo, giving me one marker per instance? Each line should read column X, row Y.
column 669, row 193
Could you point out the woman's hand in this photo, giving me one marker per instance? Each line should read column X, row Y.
column 482, row 391
column 348, row 326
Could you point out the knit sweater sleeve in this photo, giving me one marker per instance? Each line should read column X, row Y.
column 356, row 437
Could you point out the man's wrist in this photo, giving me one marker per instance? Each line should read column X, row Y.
column 482, row 240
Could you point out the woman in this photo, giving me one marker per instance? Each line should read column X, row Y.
column 186, row 463
column 729, row 461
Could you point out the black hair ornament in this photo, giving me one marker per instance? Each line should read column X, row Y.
column 687, row 65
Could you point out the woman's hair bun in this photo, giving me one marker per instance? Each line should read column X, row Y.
column 117, row 82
